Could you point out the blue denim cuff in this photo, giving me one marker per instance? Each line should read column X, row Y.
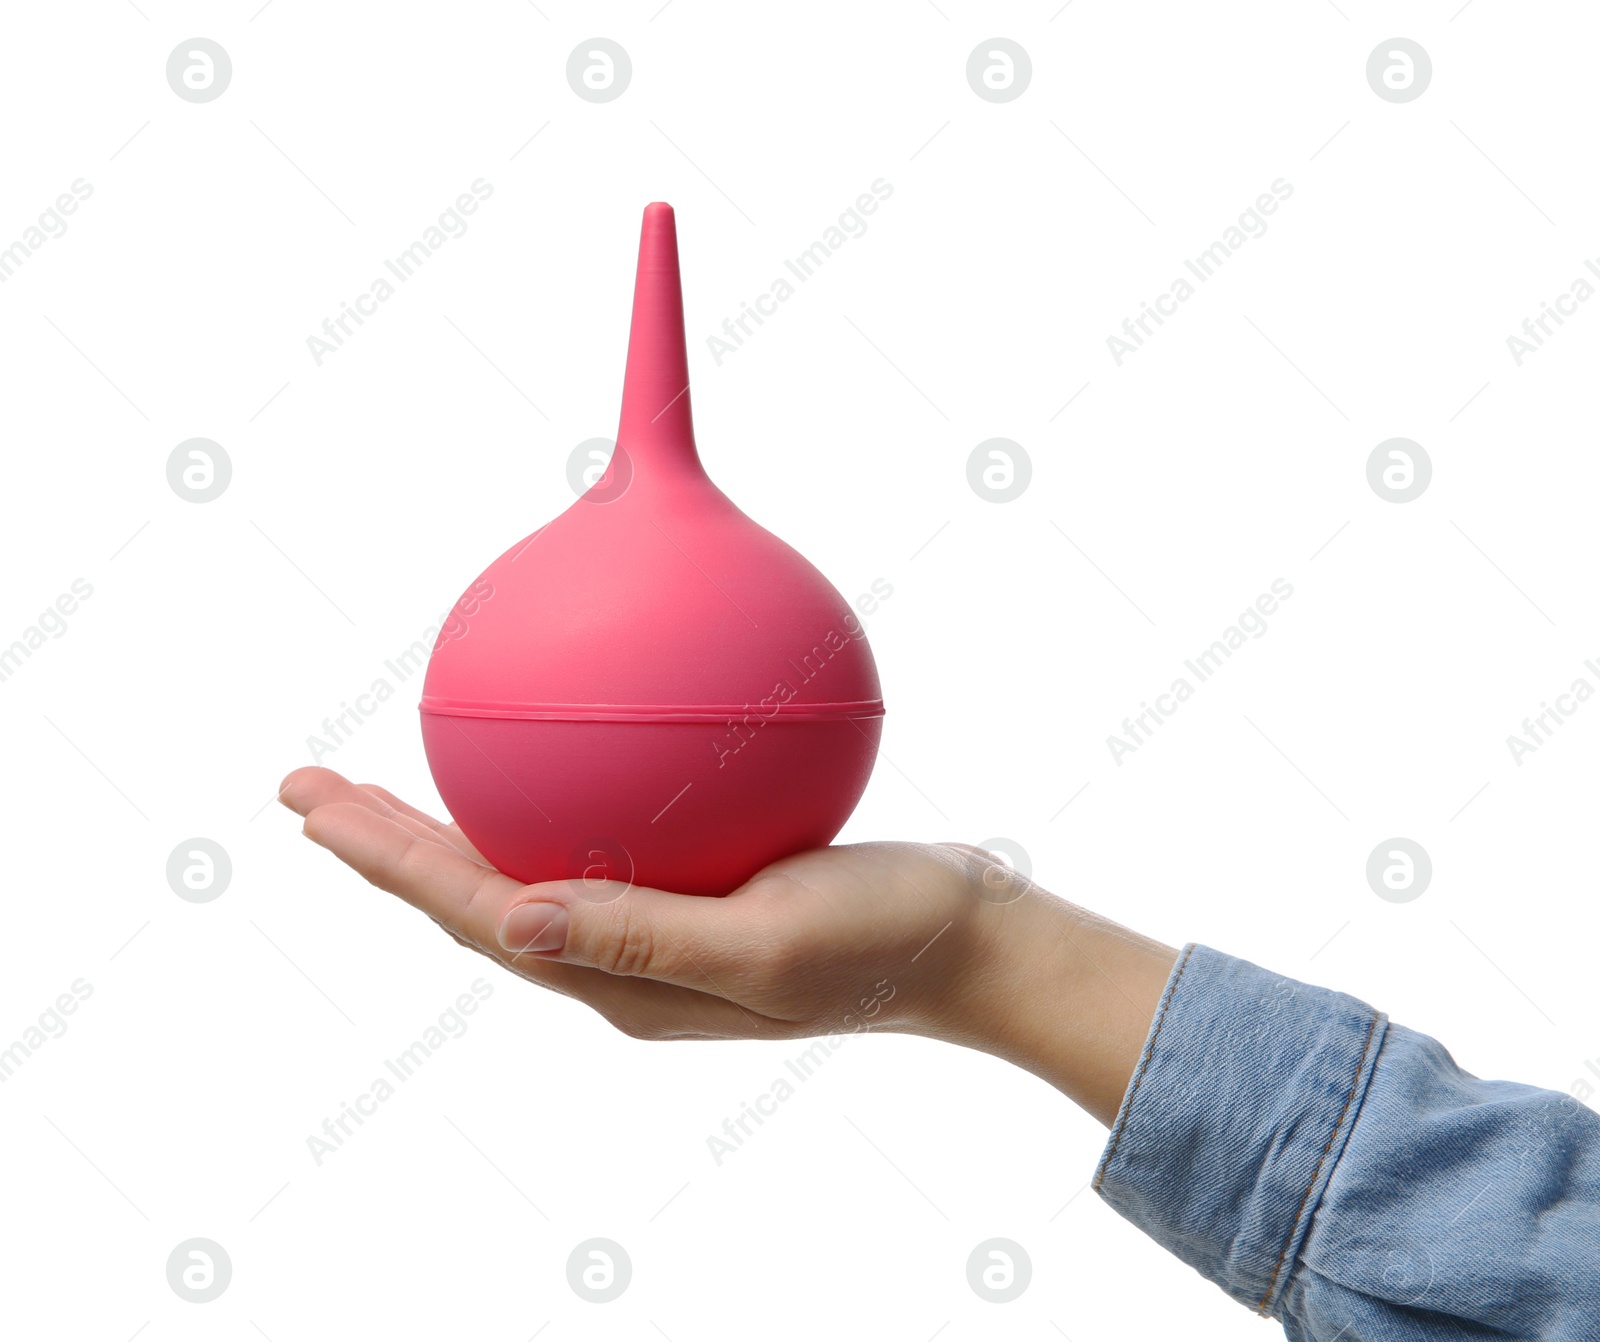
column 1235, row 1117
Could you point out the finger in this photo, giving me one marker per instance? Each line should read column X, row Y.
column 338, row 789
column 450, row 833
column 633, row 931
column 433, row 876
column 306, row 789
column 465, row 898
column 640, row 1008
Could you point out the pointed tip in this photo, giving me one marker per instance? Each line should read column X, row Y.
column 658, row 248
column 655, row 392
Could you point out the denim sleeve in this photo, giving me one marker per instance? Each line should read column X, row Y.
column 1341, row 1174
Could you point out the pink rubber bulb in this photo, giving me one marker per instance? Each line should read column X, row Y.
column 651, row 688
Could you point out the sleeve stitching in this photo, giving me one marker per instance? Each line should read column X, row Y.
column 1149, row 1052
column 1361, row 1067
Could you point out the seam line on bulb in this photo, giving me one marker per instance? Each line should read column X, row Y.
column 864, row 708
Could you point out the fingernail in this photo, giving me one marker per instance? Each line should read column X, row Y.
column 534, row 927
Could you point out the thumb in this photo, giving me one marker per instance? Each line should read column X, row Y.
column 628, row 930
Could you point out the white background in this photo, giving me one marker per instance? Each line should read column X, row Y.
column 369, row 491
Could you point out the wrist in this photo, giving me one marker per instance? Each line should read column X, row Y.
column 1058, row 990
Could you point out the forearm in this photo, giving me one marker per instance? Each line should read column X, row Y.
column 1062, row 992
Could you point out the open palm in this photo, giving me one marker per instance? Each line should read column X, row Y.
column 865, row 936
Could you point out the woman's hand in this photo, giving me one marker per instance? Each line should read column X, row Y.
column 934, row 939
